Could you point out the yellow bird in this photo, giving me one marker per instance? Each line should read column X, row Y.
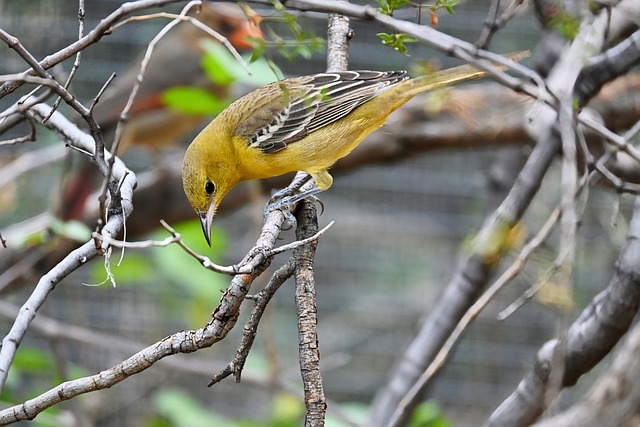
column 298, row 124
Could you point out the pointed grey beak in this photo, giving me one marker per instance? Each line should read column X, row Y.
column 206, row 219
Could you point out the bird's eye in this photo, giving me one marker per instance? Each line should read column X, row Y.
column 209, row 187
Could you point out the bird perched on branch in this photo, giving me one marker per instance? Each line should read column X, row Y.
column 298, row 124
column 176, row 61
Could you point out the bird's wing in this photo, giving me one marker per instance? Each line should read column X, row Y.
column 297, row 107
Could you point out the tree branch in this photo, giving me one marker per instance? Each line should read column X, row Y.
column 121, row 208
column 591, row 336
column 308, row 348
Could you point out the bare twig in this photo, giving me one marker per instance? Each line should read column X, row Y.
column 72, row 136
column 250, row 329
column 96, row 99
column 31, row 136
column 242, row 268
column 15, row 44
column 224, row 319
column 76, row 62
column 492, row 24
column 92, row 37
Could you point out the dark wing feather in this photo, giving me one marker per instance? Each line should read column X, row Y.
column 303, row 105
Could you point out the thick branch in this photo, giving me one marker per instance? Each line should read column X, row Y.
column 587, row 341
column 309, row 351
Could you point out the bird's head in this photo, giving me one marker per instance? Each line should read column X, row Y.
column 206, row 179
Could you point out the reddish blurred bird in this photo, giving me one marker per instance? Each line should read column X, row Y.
column 176, row 61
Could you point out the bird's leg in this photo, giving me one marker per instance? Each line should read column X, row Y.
column 299, row 180
column 288, row 196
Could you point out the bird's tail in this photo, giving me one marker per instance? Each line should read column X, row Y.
column 451, row 76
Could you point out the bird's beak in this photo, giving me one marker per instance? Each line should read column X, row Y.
column 206, row 219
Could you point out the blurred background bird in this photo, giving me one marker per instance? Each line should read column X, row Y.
column 176, row 61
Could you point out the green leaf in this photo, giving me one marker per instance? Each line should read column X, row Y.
column 396, row 41
column 217, row 64
column 259, row 47
column 223, row 68
column 193, row 100
column 389, row 6
column 445, row 4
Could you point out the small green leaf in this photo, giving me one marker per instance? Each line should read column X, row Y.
column 218, row 64
column 396, row 41
column 384, row 7
column 445, row 4
column 387, row 7
column 193, row 100
column 223, row 68
column 386, row 38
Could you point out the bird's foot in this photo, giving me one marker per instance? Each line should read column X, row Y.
column 285, row 199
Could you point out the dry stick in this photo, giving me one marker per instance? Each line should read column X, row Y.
column 76, row 62
column 101, row 341
column 25, row 138
column 242, row 268
column 305, row 296
column 15, row 44
column 14, row 115
column 473, row 311
column 338, row 36
column 492, row 24
column 250, row 330
column 96, row 99
column 120, row 211
column 223, row 320
column 614, row 398
column 92, row 37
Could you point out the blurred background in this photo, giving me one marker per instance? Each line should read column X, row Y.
column 400, row 228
